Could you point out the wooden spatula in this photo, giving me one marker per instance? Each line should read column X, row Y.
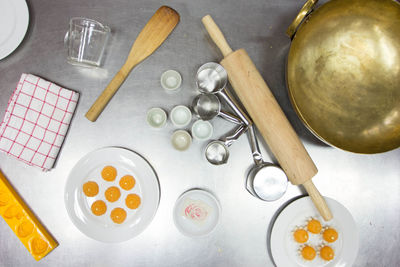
column 149, row 39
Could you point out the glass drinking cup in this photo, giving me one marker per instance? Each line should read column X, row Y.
column 85, row 41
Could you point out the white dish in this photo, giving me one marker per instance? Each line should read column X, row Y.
column 89, row 168
column 202, row 130
column 14, row 21
column 171, row 80
column 156, row 117
column 285, row 250
column 181, row 116
column 196, row 228
column 181, row 140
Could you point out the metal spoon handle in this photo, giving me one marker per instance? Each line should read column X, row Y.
column 229, row 117
column 224, row 94
column 255, row 149
column 228, row 140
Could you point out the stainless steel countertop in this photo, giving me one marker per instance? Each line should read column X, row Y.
column 368, row 185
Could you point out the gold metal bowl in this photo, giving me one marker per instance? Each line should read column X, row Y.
column 343, row 73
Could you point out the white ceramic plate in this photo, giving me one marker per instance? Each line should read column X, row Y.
column 285, row 250
column 14, row 21
column 89, row 168
column 191, row 227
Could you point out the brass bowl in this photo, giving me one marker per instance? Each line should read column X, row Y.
column 343, row 73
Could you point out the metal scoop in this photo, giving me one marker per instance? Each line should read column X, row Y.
column 217, row 152
column 265, row 180
column 212, row 78
column 207, row 106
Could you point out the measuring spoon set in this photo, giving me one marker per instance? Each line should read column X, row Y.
column 265, row 180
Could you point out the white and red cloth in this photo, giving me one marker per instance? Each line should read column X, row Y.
column 36, row 121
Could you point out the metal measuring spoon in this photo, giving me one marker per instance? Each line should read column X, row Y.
column 207, row 106
column 212, row 78
column 265, row 180
column 217, row 152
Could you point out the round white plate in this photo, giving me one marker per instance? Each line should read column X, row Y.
column 14, row 21
column 285, row 250
column 89, row 168
column 193, row 228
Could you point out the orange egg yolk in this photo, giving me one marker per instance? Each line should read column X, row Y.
column 25, row 229
column 127, row 182
column 300, row 235
column 314, row 226
column 327, row 253
column 118, row 215
column 330, row 235
column 308, row 253
column 90, row 189
column 112, row 194
column 132, row 201
column 109, row 173
column 99, row 207
column 13, row 211
column 38, row 245
column 3, row 198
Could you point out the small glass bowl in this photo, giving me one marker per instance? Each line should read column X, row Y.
column 192, row 227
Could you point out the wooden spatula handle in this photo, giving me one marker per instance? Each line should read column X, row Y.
column 149, row 39
column 318, row 200
column 216, row 35
column 102, row 101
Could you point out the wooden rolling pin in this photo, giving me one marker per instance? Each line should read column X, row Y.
column 267, row 115
column 149, row 39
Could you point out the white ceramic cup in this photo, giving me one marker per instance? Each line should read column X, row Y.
column 181, row 140
column 171, row 80
column 202, row 130
column 181, row 116
column 156, row 117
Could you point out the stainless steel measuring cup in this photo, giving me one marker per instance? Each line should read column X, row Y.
column 212, row 78
column 217, row 152
column 207, row 106
column 265, row 180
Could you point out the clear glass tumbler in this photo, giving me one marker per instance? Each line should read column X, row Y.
column 86, row 40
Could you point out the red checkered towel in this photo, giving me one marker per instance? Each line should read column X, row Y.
column 36, row 121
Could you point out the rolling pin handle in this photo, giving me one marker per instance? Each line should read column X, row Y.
column 216, row 35
column 318, row 200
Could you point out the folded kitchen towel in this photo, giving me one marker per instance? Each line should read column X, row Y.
column 36, row 121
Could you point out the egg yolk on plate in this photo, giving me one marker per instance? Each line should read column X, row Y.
column 109, row 173
column 330, row 235
column 327, row 253
column 127, row 182
column 90, row 189
column 112, row 193
column 314, row 226
column 99, row 207
column 118, row 215
column 132, row 201
column 300, row 235
column 308, row 253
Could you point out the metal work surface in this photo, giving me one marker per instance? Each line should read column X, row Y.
column 367, row 185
